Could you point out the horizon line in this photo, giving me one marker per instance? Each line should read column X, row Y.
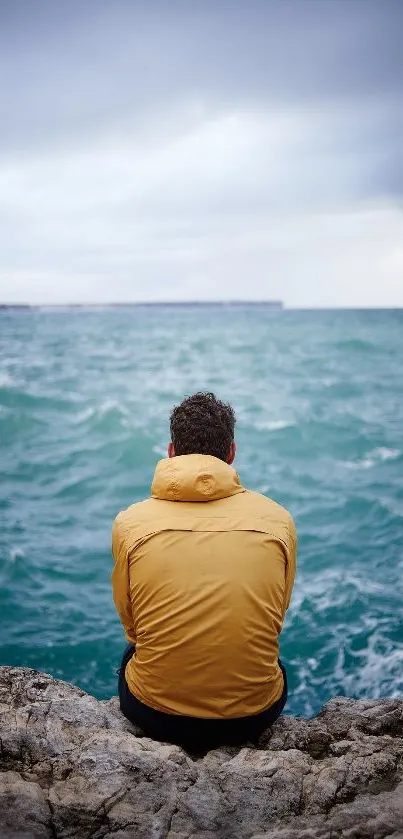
column 117, row 304
column 277, row 304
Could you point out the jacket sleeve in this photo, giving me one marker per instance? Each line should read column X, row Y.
column 120, row 580
column 291, row 563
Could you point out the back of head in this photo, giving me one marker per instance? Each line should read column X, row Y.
column 202, row 424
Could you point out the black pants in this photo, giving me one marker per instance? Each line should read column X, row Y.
column 195, row 733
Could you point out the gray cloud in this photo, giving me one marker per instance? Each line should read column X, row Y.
column 169, row 150
column 73, row 66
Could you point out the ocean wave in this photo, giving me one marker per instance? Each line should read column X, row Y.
column 109, row 411
column 380, row 669
column 273, row 425
column 355, row 345
column 373, row 458
column 16, row 553
column 6, row 380
column 85, row 416
column 82, row 416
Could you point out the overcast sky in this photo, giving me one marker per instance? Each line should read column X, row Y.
column 202, row 150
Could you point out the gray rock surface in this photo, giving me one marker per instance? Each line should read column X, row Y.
column 72, row 766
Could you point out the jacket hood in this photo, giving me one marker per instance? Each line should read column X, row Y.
column 194, row 477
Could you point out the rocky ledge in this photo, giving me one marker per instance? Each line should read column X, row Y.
column 72, row 766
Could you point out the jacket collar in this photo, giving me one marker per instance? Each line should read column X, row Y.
column 194, row 477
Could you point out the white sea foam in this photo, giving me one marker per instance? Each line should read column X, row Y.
column 273, row 425
column 378, row 664
column 366, row 585
column 83, row 416
column 387, row 454
column 373, row 458
column 100, row 410
column 110, row 405
column 16, row 553
column 5, row 379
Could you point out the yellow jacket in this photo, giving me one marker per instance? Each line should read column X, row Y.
column 203, row 575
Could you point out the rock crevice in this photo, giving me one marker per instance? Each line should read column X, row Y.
column 72, row 766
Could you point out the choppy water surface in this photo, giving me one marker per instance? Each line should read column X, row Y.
column 84, row 404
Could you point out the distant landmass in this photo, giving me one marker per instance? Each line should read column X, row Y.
column 276, row 305
column 15, row 306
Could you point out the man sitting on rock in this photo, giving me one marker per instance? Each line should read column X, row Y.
column 203, row 575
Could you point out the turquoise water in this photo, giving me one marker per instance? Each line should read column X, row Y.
column 84, row 403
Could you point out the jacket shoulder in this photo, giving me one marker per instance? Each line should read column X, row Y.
column 277, row 518
column 139, row 511
column 265, row 506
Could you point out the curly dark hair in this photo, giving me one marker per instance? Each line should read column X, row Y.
column 202, row 424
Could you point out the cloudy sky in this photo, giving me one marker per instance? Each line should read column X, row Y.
column 202, row 150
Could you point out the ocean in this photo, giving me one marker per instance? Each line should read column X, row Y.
column 85, row 396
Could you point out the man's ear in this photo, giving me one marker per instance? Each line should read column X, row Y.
column 171, row 449
column 232, row 453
